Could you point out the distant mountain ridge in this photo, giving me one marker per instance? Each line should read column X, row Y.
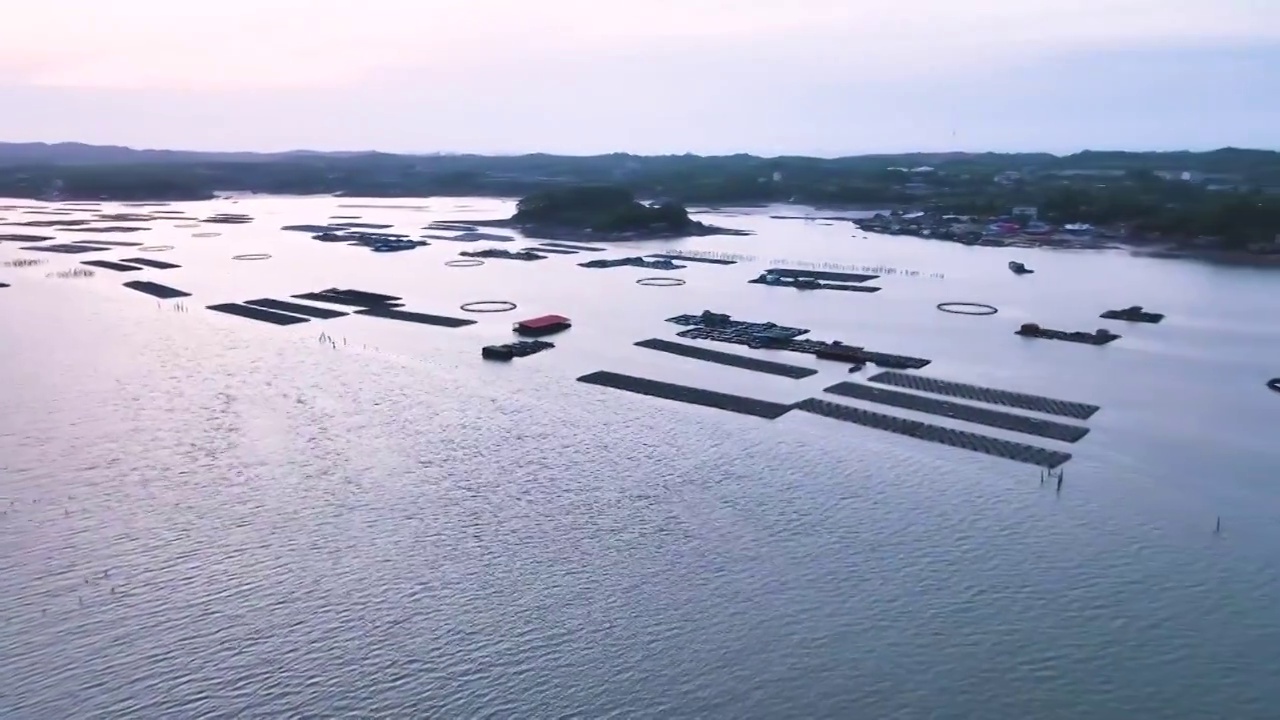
column 74, row 153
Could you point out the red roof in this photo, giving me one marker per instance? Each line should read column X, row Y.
column 544, row 321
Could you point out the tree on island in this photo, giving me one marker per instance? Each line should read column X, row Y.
column 602, row 208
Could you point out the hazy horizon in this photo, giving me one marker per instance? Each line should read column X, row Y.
column 711, row 77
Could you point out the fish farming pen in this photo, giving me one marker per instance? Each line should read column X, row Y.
column 991, row 396
column 109, row 265
column 1101, row 336
column 23, row 237
column 687, row 258
column 839, row 277
column 743, row 362
column 632, row 262
column 66, row 249
column 724, row 321
column 311, row 311
column 573, row 246
column 154, row 264
column 108, row 243
column 517, row 349
column 314, row 229
column 257, row 313
column 164, row 292
column 551, row 250
column 1134, row 313
column 718, row 327
column 391, row 313
column 963, row 439
column 364, row 225
column 452, row 226
column 478, row 236
column 500, row 254
column 959, row 411
column 355, row 298
column 801, row 283
column 107, row 229
column 685, row 394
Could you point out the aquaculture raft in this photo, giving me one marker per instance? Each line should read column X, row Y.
column 632, row 262
column 685, row 394
column 501, row 254
column 1134, row 313
column 148, row 262
column 356, row 298
column 1101, row 336
column 959, row 411
column 805, row 283
column 109, row 265
column 841, row 277
column 991, row 396
column 391, row 313
column 520, row 348
column 257, row 313
column 543, row 325
column 729, row 359
column 311, row 311
column 164, row 292
column 571, row 246
column 963, row 439
column 692, row 259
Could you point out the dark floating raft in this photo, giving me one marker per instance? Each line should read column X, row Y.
column 520, row 348
column 4, row 285
column 148, row 262
column 66, row 249
column 719, row 327
column 686, row 258
column 23, row 237
column 1101, row 336
column 314, row 229
column 685, row 394
column 259, row 314
column 552, row 250
column 730, row 359
column 571, row 246
column 959, row 411
column 841, row 277
column 365, row 225
column 109, row 265
column 355, row 298
column 311, row 311
column 632, row 262
column 804, row 283
column 108, row 243
column 390, row 313
column 962, row 439
column 1134, row 313
column 164, row 292
column 501, row 254
column 991, row 396
column 106, row 229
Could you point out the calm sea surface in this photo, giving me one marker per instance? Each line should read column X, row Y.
column 205, row 516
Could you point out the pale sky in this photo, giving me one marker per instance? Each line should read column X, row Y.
column 646, row 76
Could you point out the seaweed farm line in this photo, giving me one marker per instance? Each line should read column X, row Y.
column 808, row 264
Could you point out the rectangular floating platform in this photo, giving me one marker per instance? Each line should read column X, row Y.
column 23, row 237
column 148, row 262
column 744, row 362
column 366, row 225
column 817, row 286
column 1029, row 454
column 390, row 313
column 1084, row 338
column 255, row 313
column 109, row 265
column 709, row 319
column 991, row 396
column 106, row 229
column 632, row 262
column 501, row 254
column 164, row 292
column 4, row 285
column 339, row 300
column 311, row 311
column 685, row 394
column 552, row 250
column 688, row 258
column 959, row 411
column 1133, row 314
column 821, row 275
column 66, row 249
column 757, row 335
column 520, row 348
column 572, row 246
column 108, row 243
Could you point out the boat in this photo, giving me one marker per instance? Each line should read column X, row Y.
column 1019, row 269
column 543, row 325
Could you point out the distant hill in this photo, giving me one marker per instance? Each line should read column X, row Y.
column 72, row 153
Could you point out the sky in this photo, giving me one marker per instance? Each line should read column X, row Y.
column 807, row 77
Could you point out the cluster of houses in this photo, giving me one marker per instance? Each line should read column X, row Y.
column 1021, row 227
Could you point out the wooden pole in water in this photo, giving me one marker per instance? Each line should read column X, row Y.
column 1217, row 528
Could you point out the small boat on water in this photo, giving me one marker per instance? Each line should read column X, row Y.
column 1019, row 269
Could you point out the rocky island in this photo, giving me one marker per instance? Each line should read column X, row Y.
column 602, row 212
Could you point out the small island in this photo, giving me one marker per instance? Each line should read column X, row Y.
column 602, row 212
